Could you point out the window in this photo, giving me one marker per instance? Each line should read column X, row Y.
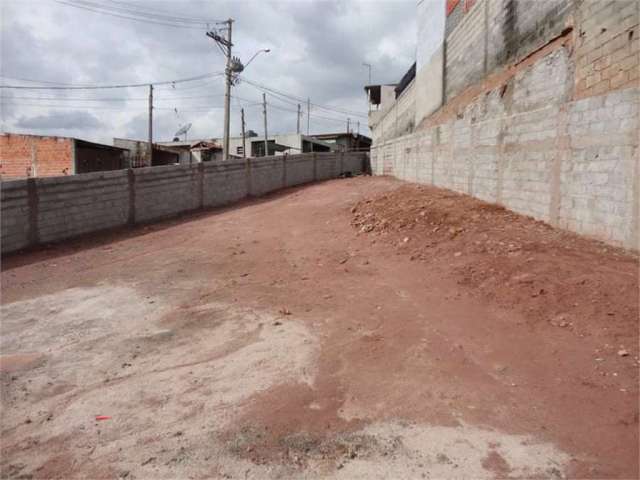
column 240, row 150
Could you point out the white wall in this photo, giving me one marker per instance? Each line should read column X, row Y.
column 429, row 57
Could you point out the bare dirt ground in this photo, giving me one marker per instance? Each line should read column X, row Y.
column 358, row 328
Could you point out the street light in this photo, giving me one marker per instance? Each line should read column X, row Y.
column 265, row 50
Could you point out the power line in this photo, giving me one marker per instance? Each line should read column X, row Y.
column 110, row 99
column 343, row 111
column 98, row 107
column 98, row 87
column 140, row 18
column 279, row 107
column 165, row 14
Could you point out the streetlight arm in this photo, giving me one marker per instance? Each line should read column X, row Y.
column 265, row 50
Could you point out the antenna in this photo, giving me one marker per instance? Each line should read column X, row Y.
column 183, row 131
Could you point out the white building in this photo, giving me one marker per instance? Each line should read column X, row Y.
column 278, row 145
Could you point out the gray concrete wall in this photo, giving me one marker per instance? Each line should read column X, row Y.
column 494, row 33
column 42, row 210
column 529, row 147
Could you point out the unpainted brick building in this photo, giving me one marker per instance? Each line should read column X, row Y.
column 23, row 156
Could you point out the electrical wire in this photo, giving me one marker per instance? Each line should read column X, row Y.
column 98, row 87
column 267, row 89
column 112, row 99
column 98, row 107
column 140, row 18
column 124, row 6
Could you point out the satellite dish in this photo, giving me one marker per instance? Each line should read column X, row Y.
column 183, row 130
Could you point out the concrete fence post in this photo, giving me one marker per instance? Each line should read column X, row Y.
column 200, row 185
column 131, row 180
column 341, row 163
column 34, row 207
column 315, row 167
column 248, row 173
column 284, row 171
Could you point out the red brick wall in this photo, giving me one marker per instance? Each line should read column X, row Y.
column 31, row 155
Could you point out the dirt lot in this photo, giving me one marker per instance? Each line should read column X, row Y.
column 358, row 328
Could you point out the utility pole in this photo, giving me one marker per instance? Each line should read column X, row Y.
column 358, row 130
column 150, row 125
column 226, row 45
column 348, row 124
column 264, row 112
column 227, row 94
column 308, row 114
column 298, row 121
column 368, row 65
column 244, row 146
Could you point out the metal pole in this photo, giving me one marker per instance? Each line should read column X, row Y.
column 244, row 146
column 264, row 112
column 348, row 124
column 298, row 121
column 308, row 114
column 227, row 95
column 150, row 125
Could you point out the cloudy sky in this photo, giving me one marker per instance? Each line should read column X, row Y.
column 317, row 51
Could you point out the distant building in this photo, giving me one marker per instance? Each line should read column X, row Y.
column 24, row 155
column 194, row 151
column 211, row 149
column 346, row 141
column 278, row 145
column 137, row 153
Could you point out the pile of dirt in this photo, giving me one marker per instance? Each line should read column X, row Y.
column 552, row 276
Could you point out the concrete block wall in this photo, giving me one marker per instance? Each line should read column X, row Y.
column 267, row 175
column 70, row 206
column 399, row 119
column 165, row 191
column 492, row 33
column 528, row 146
column 607, row 46
column 42, row 210
column 299, row 169
column 224, row 183
column 328, row 168
column 17, row 203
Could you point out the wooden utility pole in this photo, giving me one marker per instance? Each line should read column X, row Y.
column 264, row 112
column 244, row 146
column 298, row 121
column 308, row 114
column 150, row 125
column 348, row 124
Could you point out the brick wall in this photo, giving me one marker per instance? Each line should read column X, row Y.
column 607, row 46
column 40, row 210
column 27, row 156
column 528, row 146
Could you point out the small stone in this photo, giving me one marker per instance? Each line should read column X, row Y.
column 457, row 254
column 623, row 353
